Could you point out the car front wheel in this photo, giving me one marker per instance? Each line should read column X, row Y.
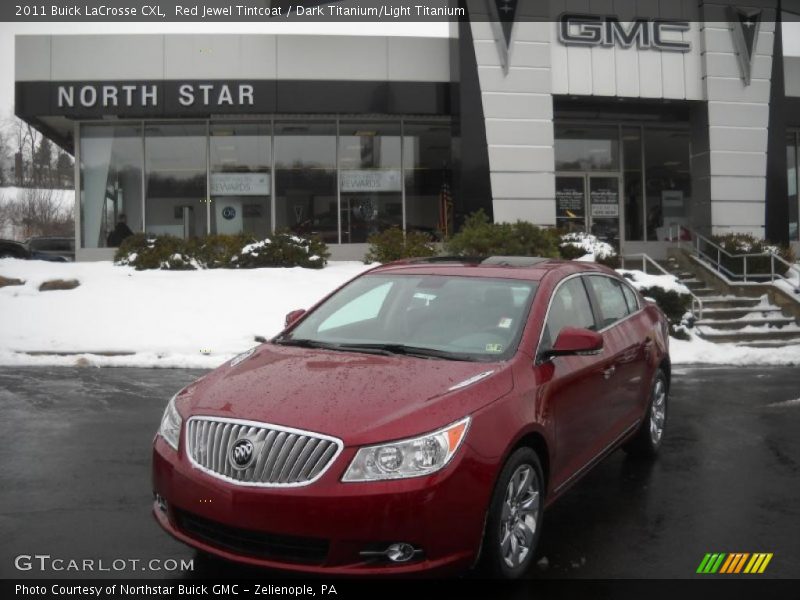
column 648, row 439
column 515, row 516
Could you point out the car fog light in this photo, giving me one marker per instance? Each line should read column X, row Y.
column 160, row 502
column 400, row 552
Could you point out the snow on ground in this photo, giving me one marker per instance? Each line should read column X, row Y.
column 591, row 244
column 641, row 280
column 703, row 352
column 199, row 319
column 164, row 318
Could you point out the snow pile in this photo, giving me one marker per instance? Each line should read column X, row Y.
column 594, row 247
column 703, row 352
column 123, row 317
column 641, row 280
column 151, row 318
column 255, row 247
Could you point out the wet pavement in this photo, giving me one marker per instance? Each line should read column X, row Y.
column 75, row 477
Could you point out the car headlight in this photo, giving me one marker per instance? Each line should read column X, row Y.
column 170, row 428
column 414, row 457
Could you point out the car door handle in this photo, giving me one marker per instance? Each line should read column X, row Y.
column 609, row 372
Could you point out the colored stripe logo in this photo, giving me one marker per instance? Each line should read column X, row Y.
column 734, row 563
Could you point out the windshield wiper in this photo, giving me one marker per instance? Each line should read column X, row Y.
column 382, row 349
column 304, row 343
column 416, row 351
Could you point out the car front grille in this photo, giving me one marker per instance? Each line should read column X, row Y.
column 281, row 456
column 246, row 542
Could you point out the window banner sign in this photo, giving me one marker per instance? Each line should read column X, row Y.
column 239, row 184
column 363, row 180
column 605, row 210
column 672, row 203
column 570, row 201
column 604, row 199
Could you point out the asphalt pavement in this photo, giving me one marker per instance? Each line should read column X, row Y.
column 75, row 479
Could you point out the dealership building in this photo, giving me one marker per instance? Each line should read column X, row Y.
column 638, row 130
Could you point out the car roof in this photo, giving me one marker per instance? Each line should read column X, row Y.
column 531, row 268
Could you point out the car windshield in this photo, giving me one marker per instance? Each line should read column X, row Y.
column 433, row 316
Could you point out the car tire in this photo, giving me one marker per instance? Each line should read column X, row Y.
column 515, row 514
column 647, row 440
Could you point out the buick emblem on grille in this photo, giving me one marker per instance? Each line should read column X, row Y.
column 241, row 454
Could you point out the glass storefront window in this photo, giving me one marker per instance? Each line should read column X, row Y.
column 668, row 181
column 585, row 148
column 428, row 176
column 240, row 178
column 111, row 183
column 217, row 177
column 176, row 201
column 305, row 173
column 370, row 181
column 634, row 196
column 792, row 175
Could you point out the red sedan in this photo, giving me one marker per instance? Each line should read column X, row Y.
column 418, row 419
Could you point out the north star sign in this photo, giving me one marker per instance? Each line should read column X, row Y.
column 144, row 95
column 609, row 31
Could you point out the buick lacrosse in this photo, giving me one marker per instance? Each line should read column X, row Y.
column 421, row 418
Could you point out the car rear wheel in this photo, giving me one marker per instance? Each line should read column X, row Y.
column 515, row 516
column 648, row 439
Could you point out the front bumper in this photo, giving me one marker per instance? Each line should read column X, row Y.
column 329, row 521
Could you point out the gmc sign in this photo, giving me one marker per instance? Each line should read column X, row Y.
column 593, row 30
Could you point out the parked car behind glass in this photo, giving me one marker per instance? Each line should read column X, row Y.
column 58, row 249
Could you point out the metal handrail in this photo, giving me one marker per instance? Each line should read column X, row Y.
column 720, row 251
column 697, row 303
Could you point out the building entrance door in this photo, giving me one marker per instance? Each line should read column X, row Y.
column 590, row 202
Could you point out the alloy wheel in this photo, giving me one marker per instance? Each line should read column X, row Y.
column 658, row 412
column 520, row 512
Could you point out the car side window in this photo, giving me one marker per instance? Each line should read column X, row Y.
column 610, row 297
column 570, row 307
column 631, row 298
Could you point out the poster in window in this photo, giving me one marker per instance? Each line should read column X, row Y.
column 570, row 200
column 604, row 198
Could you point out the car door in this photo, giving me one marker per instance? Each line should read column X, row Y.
column 572, row 389
column 625, row 349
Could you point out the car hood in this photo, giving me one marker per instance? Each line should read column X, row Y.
column 359, row 398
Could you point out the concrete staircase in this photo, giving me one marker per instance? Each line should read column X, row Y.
column 727, row 316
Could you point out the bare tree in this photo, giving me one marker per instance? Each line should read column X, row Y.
column 23, row 139
column 5, row 217
column 39, row 212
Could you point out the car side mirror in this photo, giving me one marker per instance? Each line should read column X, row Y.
column 575, row 341
column 293, row 316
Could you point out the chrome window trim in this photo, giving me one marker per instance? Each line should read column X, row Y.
column 604, row 329
column 549, row 306
column 635, row 295
column 263, row 425
column 629, row 315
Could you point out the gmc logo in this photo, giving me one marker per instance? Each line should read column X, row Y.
column 593, row 30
